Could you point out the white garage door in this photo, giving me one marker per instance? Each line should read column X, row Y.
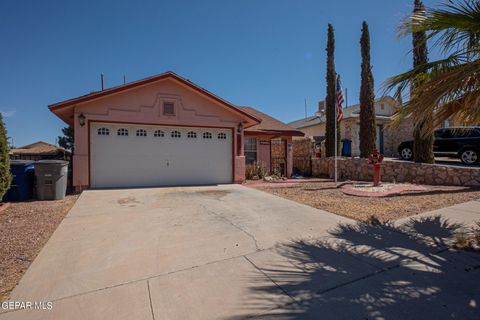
column 142, row 156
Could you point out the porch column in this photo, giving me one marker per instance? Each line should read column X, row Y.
column 239, row 174
column 289, row 156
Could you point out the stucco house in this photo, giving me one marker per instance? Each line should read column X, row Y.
column 165, row 130
column 388, row 138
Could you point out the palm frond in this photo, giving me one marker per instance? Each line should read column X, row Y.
column 452, row 28
column 450, row 87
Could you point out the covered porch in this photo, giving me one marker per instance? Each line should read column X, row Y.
column 274, row 153
column 269, row 144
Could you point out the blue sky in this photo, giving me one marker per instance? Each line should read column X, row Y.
column 269, row 54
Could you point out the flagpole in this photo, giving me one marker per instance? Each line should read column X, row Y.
column 336, row 133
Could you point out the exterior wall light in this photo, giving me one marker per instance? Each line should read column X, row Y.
column 240, row 127
column 81, row 119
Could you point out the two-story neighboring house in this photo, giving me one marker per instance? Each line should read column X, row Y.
column 388, row 138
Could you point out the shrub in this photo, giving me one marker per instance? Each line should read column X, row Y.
column 255, row 171
column 5, row 176
column 468, row 239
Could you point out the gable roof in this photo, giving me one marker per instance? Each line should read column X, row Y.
column 169, row 74
column 269, row 125
column 306, row 122
column 39, row 148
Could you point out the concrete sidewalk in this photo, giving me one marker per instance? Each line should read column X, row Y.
column 232, row 252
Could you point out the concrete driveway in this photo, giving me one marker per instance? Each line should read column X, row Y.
column 231, row 252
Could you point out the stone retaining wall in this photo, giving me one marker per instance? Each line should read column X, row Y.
column 396, row 171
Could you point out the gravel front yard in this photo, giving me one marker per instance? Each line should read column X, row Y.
column 324, row 195
column 25, row 228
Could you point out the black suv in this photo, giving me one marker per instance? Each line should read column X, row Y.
column 460, row 142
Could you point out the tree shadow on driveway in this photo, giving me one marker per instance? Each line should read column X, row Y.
column 366, row 271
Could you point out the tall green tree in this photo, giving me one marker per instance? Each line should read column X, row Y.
column 330, row 100
column 449, row 86
column 67, row 140
column 5, row 176
column 368, row 132
column 422, row 142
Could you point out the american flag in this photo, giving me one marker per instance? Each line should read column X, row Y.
column 339, row 109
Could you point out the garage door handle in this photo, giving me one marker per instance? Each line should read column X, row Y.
column 168, row 163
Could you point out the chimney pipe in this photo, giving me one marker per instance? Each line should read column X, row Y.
column 101, row 79
column 321, row 106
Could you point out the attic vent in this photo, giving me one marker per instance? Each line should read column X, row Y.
column 168, row 109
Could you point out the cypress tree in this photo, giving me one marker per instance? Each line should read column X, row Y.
column 422, row 144
column 368, row 133
column 5, row 176
column 330, row 99
column 67, row 141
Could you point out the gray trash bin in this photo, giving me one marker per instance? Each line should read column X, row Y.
column 51, row 179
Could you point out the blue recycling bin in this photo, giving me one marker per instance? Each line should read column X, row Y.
column 21, row 188
column 347, row 148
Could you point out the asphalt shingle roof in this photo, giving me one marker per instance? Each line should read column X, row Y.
column 268, row 124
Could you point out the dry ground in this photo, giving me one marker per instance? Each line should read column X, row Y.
column 25, row 228
column 324, row 195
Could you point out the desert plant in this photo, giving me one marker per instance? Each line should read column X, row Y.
column 368, row 130
column 373, row 220
column 476, row 233
column 255, row 171
column 5, row 176
column 460, row 240
column 468, row 239
column 331, row 98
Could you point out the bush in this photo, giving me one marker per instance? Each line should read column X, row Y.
column 5, row 176
column 255, row 171
column 468, row 239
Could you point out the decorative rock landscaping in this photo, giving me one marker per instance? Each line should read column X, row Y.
column 397, row 171
column 384, row 190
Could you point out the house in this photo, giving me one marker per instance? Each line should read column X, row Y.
column 388, row 138
column 165, row 130
column 39, row 151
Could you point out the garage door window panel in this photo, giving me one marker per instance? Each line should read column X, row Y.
column 159, row 134
column 103, row 131
column 222, row 136
column 176, row 134
column 207, row 135
column 141, row 133
column 122, row 132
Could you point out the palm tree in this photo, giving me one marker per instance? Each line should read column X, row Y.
column 450, row 87
column 368, row 133
column 422, row 143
